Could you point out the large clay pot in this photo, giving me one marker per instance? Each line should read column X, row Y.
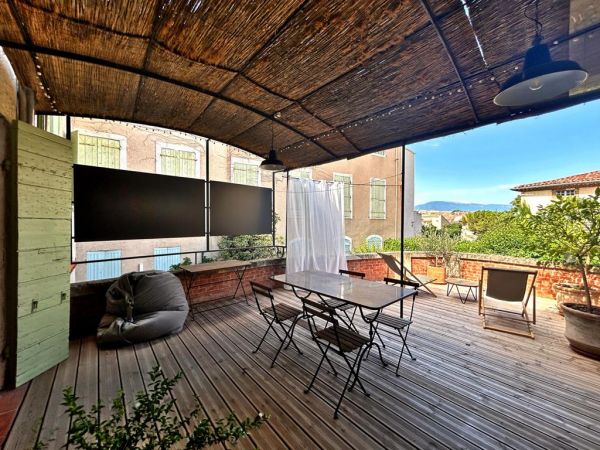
column 582, row 329
column 439, row 273
column 573, row 293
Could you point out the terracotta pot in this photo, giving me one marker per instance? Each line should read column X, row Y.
column 582, row 330
column 439, row 273
column 573, row 293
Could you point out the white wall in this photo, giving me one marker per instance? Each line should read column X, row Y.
column 412, row 220
column 538, row 199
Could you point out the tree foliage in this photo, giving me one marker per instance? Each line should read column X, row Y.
column 567, row 231
column 480, row 222
column 243, row 247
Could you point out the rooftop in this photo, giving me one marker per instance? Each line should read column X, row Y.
column 468, row 388
column 579, row 180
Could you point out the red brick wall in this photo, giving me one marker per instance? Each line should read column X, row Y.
column 219, row 285
column 373, row 268
column 470, row 268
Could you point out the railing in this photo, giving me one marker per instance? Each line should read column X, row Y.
column 279, row 249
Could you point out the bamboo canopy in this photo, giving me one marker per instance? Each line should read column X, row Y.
column 338, row 78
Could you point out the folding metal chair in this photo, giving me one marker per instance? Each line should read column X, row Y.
column 397, row 323
column 342, row 306
column 340, row 340
column 509, row 286
column 276, row 313
column 395, row 266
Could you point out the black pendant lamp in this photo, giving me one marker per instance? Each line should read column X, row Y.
column 272, row 163
column 541, row 78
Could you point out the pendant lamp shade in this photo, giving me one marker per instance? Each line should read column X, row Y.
column 541, row 78
column 272, row 162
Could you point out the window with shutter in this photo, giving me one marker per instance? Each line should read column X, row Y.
column 98, row 151
column 377, row 203
column 165, row 262
column 105, row 269
column 347, row 180
column 375, row 242
column 178, row 162
column 244, row 172
column 347, row 245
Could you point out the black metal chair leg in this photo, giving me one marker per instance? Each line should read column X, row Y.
column 404, row 345
column 350, row 375
column 292, row 336
column 278, row 351
column 356, row 378
column 310, row 385
column 265, row 335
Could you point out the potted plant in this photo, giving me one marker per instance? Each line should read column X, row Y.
column 439, row 245
column 568, row 232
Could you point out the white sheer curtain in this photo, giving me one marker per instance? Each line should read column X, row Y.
column 315, row 226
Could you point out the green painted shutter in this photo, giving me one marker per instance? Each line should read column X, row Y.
column 347, row 180
column 180, row 163
column 98, row 151
column 39, row 274
column 245, row 173
column 377, row 199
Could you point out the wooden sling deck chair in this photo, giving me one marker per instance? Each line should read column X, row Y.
column 395, row 266
column 505, row 286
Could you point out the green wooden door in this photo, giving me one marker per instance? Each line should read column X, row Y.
column 41, row 213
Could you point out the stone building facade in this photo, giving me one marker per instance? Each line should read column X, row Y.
column 372, row 189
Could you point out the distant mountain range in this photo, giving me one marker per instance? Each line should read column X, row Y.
column 455, row 206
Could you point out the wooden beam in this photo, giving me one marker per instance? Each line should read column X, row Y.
column 440, row 34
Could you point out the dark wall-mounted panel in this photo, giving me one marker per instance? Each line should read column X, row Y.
column 239, row 209
column 119, row 204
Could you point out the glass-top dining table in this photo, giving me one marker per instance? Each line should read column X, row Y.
column 364, row 294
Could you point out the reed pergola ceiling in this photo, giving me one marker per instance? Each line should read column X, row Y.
column 333, row 79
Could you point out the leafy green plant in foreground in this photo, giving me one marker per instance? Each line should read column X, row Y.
column 152, row 423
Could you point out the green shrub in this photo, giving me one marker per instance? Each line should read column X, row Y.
column 186, row 262
column 153, row 422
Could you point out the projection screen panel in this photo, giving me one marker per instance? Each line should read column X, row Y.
column 115, row 204
column 239, row 209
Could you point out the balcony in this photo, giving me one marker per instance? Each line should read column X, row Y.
column 468, row 388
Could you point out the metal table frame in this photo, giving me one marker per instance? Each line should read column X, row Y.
column 380, row 307
column 235, row 266
column 471, row 289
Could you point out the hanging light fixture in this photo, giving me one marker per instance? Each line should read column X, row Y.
column 541, row 78
column 272, row 162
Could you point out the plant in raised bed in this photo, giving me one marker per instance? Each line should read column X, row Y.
column 568, row 232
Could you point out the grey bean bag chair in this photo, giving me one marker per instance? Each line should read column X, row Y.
column 141, row 306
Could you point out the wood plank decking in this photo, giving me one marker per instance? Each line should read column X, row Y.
column 468, row 388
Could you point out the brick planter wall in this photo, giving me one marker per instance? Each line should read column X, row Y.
column 370, row 264
column 470, row 268
column 88, row 301
column 219, row 285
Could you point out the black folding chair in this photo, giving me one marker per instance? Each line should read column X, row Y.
column 276, row 313
column 343, row 306
column 397, row 323
column 339, row 339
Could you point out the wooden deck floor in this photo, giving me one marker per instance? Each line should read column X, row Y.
column 468, row 388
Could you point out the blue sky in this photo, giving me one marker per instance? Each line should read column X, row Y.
column 482, row 165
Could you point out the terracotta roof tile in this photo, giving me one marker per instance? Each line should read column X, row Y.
column 582, row 179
